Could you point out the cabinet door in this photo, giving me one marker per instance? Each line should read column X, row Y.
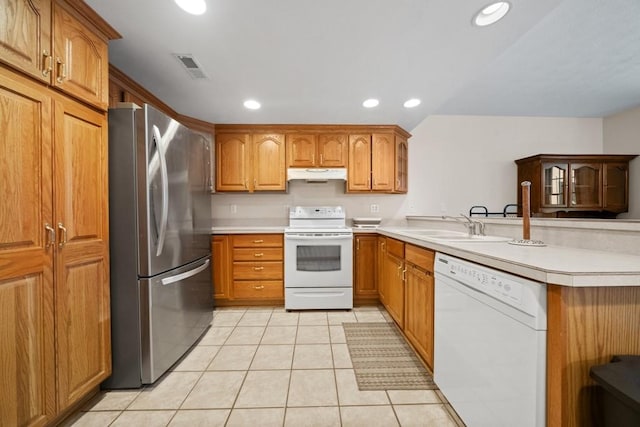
column 364, row 283
column 269, row 170
column 83, row 319
column 585, row 185
column 81, row 64
column 301, row 151
column 419, row 301
column 359, row 171
column 382, row 162
column 27, row 355
column 394, row 291
column 380, row 264
column 332, row 150
column 220, row 251
column 554, row 185
column 402, row 165
column 232, row 157
column 616, row 187
column 25, row 36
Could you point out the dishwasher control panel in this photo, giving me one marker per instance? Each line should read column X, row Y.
column 518, row 292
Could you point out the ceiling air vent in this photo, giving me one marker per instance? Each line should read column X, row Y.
column 191, row 65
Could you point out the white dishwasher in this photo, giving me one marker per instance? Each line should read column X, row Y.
column 490, row 344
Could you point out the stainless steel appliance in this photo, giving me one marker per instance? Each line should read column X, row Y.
column 490, row 344
column 160, row 211
column 318, row 259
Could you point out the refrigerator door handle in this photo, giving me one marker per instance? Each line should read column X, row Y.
column 164, row 216
column 185, row 275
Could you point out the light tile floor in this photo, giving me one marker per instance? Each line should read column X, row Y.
column 268, row 367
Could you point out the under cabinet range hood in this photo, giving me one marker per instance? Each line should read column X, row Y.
column 316, row 174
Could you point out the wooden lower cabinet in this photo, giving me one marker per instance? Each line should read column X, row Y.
column 419, row 301
column 54, row 262
column 393, row 275
column 248, row 269
column 380, row 255
column 365, row 289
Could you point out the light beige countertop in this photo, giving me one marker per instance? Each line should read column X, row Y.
column 557, row 265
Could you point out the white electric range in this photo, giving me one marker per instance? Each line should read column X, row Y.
column 318, row 259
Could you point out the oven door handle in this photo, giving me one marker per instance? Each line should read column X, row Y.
column 338, row 237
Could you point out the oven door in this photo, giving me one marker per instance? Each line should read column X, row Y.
column 318, row 260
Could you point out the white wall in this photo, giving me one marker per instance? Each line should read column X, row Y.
column 621, row 135
column 456, row 162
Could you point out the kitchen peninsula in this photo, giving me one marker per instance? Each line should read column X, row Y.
column 593, row 300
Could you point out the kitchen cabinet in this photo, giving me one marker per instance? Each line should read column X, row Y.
column 258, row 267
column 325, row 150
column 57, row 44
column 365, row 289
column 377, row 162
column 250, row 162
column 221, row 280
column 381, row 252
column 54, row 284
column 394, row 278
column 419, row 300
column 576, row 185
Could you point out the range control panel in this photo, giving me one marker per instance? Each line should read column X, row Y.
column 316, row 212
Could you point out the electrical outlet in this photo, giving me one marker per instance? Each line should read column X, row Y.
column 374, row 208
column 233, row 208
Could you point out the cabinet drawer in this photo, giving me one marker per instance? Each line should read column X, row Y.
column 257, row 254
column 258, row 289
column 257, row 270
column 421, row 257
column 395, row 247
column 257, row 240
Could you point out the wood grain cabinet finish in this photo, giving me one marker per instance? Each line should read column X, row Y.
column 576, row 185
column 359, row 170
column 250, row 162
column 54, row 263
column 401, row 184
column 365, row 289
column 57, row 43
column 258, row 268
column 317, row 150
column 220, row 254
column 419, row 300
column 381, row 253
column 394, row 277
column 383, row 162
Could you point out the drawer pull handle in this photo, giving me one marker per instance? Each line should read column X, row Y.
column 258, row 268
column 258, row 287
column 258, row 255
column 258, row 241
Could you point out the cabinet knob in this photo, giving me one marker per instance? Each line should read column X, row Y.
column 62, row 71
column 258, row 287
column 48, row 60
column 51, row 235
column 258, row 241
column 63, row 235
column 258, row 268
column 258, row 255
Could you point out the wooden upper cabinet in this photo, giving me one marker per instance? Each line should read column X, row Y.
column 27, row 251
column 301, row 151
column 25, row 36
column 401, row 184
column 359, row 170
column 269, row 172
column 232, row 158
column 615, row 186
column 333, row 150
column 383, row 148
column 80, row 60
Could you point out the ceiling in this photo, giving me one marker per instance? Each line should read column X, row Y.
column 310, row 61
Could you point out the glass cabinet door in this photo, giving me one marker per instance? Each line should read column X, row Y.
column 554, row 184
column 615, row 186
column 586, row 185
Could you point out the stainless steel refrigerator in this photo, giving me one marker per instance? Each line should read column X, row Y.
column 160, row 214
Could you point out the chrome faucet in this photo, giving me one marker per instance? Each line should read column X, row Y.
column 474, row 227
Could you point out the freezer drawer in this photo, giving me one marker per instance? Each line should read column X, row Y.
column 176, row 308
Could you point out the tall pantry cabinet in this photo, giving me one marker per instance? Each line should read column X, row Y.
column 54, row 246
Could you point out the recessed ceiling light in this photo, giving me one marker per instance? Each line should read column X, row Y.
column 491, row 14
column 252, row 104
column 370, row 103
column 194, row 7
column 410, row 103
